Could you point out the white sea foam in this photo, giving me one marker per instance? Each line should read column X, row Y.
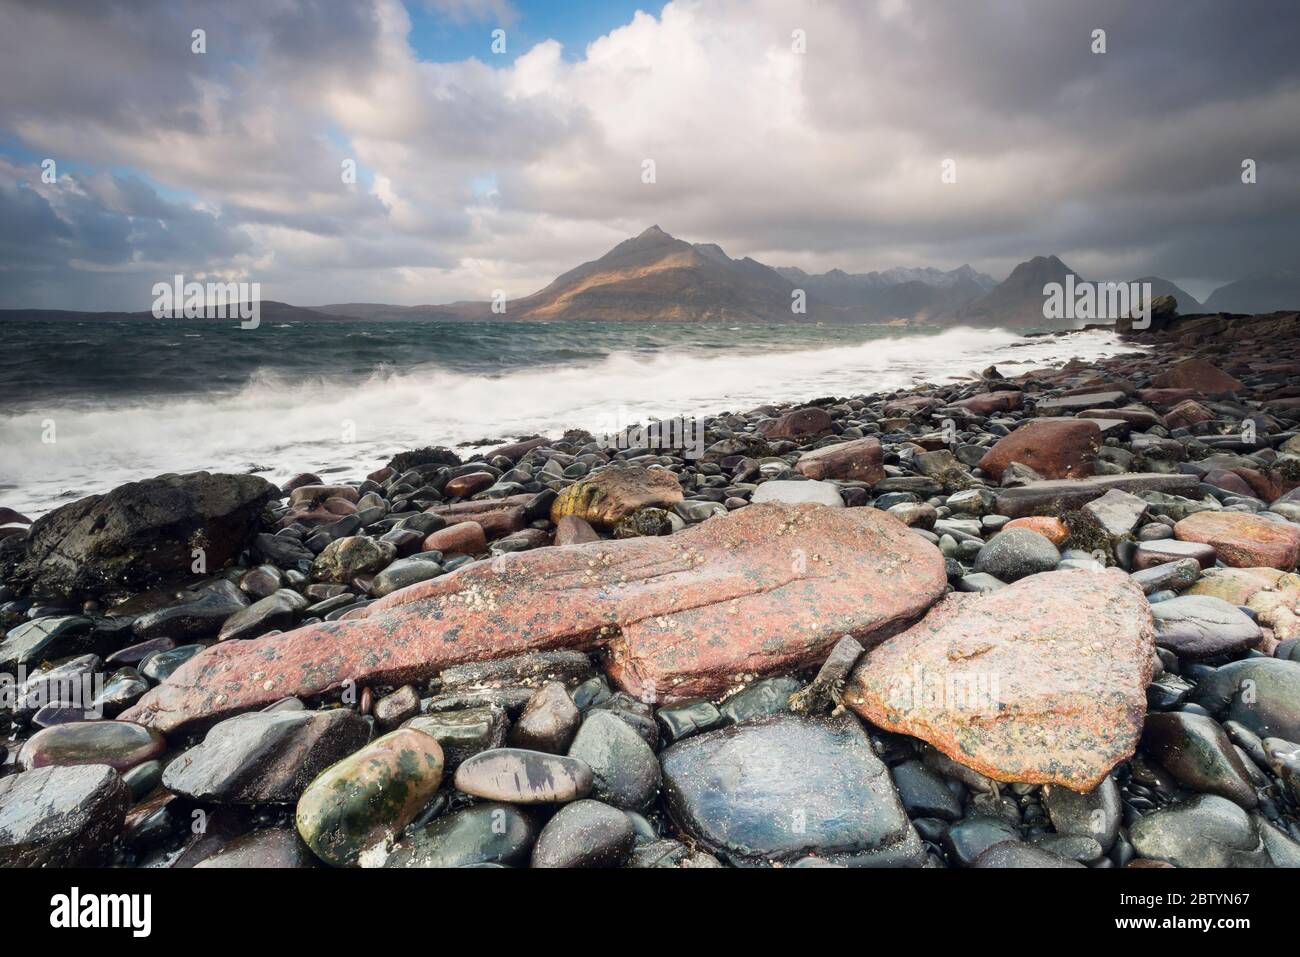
column 289, row 427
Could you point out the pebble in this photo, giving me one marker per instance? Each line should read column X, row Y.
column 524, row 777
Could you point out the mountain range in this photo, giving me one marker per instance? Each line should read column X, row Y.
column 657, row 277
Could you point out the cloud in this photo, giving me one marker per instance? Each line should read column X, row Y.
column 475, row 175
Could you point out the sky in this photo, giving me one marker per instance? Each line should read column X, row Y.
column 810, row 134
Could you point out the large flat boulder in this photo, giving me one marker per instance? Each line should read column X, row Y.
column 1041, row 682
column 1243, row 540
column 759, row 590
column 142, row 533
column 1058, row 496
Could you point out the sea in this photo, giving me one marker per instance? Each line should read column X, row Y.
column 88, row 405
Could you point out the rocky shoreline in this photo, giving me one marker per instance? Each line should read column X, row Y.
column 1042, row 620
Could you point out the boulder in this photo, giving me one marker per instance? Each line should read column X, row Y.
column 142, row 533
column 1040, row 682
column 349, row 815
column 859, row 460
column 777, row 789
column 604, row 497
column 268, row 757
column 1243, row 540
column 1057, row 497
column 764, row 589
column 797, row 425
column 61, row 816
column 1054, row 448
column 1197, row 375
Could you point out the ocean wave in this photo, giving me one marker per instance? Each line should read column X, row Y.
column 292, row 423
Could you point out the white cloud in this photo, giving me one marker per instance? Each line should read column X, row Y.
column 825, row 158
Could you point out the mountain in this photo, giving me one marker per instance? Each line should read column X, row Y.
column 654, row 276
column 1270, row 292
column 1187, row 303
column 894, row 293
column 1018, row 299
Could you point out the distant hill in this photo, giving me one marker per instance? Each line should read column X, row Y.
column 1017, row 301
column 1187, row 303
column 657, row 277
column 269, row 311
column 1274, row 292
column 901, row 293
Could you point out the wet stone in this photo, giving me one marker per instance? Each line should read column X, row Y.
column 768, row 696
column 352, row 811
column 61, row 816
column 277, row 847
column 687, row 718
column 158, row 667
column 1095, row 814
column 625, row 771
column 1205, row 831
column 970, row 838
column 585, row 834
column 524, row 777
column 266, row 757
column 779, row 788
column 924, row 793
column 548, row 722
column 118, row 744
column 488, row 833
column 399, row 706
column 1196, row 751
column 463, row 733
column 1201, row 626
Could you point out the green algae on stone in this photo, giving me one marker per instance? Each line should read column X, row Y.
column 357, row 806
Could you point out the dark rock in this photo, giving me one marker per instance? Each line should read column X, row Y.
column 465, row 732
column 968, row 839
column 483, row 834
column 118, row 744
column 625, row 771
column 1196, row 751
column 548, row 722
column 266, row 757
column 1019, row 854
column 924, row 793
column 762, row 698
column 61, row 816
column 1016, row 553
column 141, row 533
column 1095, row 814
column 1206, row 831
column 277, row 847
column 1201, row 626
column 779, row 788
column 585, row 834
